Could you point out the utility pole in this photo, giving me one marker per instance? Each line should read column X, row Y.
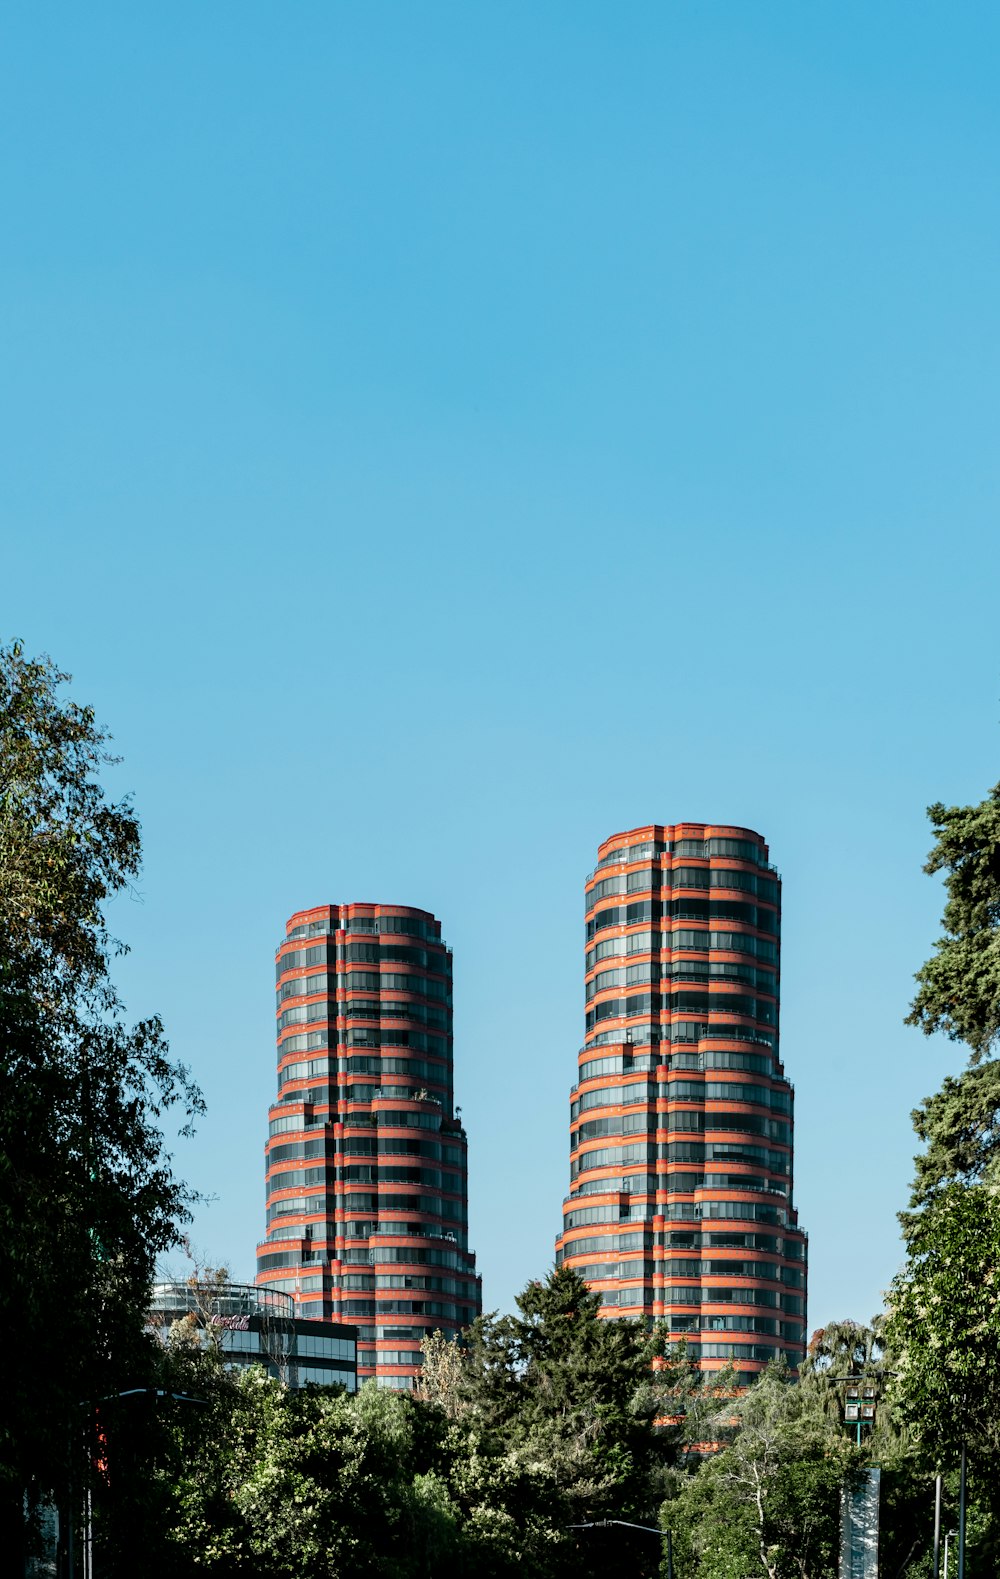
column 961, row 1514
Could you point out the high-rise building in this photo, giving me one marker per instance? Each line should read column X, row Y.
column 366, row 1161
column 680, row 1205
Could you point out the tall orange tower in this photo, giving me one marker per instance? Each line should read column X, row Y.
column 680, row 1204
column 366, row 1163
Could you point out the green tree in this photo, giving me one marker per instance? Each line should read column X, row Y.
column 942, row 1326
column 945, row 1323
column 960, row 1128
column 958, row 993
column 317, row 1484
column 849, row 1348
column 87, row 1199
column 768, row 1502
column 575, row 1399
column 959, row 986
column 852, row 1349
column 845, row 1348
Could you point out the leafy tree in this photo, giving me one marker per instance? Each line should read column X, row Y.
column 945, row 1323
column 574, row 1398
column 851, row 1349
column 769, row 1502
column 317, row 1484
column 441, row 1375
column 845, row 1348
column 87, row 1199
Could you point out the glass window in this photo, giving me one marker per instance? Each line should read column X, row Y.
column 606, row 885
column 610, row 917
column 739, row 849
column 609, row 948
column 688, row 877
column 686, row 938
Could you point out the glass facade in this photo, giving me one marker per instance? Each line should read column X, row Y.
column 681, row 1121
column 366, row 1161
column 258, row 1326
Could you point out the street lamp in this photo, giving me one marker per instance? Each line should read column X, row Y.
column 860, row 1401
column 625, row 1524
column 92, row 1403
column 859, row 1409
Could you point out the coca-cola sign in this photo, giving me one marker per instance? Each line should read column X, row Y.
column 232, row 1323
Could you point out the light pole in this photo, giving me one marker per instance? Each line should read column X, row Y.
column 650, row 1529
column 961, row 1511
column 860, row 1401
column 92, row 1403
column 859, row 1407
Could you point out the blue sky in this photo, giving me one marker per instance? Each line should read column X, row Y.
column 439, row 436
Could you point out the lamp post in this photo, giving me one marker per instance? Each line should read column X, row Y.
column 961, row 1512
column 625, row 1524
column 860, row 1401
column 92, row 1403
column 859, row 1408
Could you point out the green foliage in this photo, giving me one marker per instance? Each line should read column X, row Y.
column 959, row 994
column 850, row 1349
column 544, row 1420
column 960, row 1126
column 945, row 1324
column 769, row 1502
column 86, row 1195
column 311, row 1485
column 273, row 1484
column 845, row 1348
column 959, row 987
column 570, row 1399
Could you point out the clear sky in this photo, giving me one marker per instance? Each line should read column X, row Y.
column 437, row 436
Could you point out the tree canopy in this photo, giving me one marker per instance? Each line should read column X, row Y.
column 945, row 1323
column 575, row 1398
column 943, row 1328
column 959, row 986
column 958, row 993
column 87, row 1197
column 768, row 1503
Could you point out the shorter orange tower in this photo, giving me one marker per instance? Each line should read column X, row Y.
column 366, row 1163
column 680, row 1204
